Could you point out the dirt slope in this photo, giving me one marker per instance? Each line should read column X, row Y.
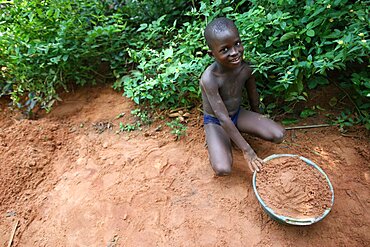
column 71, row 180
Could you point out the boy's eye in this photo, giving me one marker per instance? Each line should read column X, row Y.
column 223, row 50
column 238, row 43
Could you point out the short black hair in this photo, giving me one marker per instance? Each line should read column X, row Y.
column 218, row 25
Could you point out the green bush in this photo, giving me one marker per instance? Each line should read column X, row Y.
column 167, row 75
column 293, row 44
column 157, row 52
column 167, row 71
column 45, row 45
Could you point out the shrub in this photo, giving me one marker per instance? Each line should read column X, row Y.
column 47, row 44
column 293, row 44
column 157, row 52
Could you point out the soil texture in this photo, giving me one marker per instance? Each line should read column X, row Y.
column 292, row 188
column 71, row 178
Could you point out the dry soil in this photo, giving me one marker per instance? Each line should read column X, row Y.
column 69, row 179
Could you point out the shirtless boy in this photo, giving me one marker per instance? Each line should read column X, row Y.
column 224, row 118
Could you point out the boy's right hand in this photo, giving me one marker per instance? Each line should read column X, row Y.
column 254, row 163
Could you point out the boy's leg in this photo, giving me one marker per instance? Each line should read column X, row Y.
column 219, row 149
column 258, row 125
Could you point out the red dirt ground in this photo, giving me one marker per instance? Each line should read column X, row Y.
column 68, row 181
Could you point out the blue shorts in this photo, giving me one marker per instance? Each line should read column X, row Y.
column 211, row 119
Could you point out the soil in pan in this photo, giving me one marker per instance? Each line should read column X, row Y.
column 293, row 189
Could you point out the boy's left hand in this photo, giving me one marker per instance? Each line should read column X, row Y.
column 254, row 163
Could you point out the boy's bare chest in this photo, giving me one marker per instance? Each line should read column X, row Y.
column 231, row 88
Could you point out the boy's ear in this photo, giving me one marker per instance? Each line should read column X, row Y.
column 210, row 53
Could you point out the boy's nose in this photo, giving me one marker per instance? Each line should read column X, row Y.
column 233, row 52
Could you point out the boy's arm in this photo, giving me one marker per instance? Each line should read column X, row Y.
column 220, row 111
column 253, row 96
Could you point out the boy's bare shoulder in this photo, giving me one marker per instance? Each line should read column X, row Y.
column 247, row 66
column 207, row 76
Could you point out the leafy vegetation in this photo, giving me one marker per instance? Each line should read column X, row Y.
column 142, row 118
column 156, row 51
column 177, row 128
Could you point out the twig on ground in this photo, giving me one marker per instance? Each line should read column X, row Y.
column 179, row 109
column 346, row 135
column 308, row 126
column 13, row 233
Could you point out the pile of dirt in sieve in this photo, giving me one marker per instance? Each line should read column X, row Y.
column 293, row 189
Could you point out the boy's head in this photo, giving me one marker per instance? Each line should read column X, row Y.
column 224, row 42
column 216, row 27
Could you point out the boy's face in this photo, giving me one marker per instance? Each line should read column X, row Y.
column 226, row 48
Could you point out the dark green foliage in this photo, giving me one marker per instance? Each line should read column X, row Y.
column 156, row 50
column 293, row 43
column 146, row 11
column 47, row 44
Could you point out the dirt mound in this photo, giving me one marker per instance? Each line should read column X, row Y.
column 72, row 179
column 29, row 147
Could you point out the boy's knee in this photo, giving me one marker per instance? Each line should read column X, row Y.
column 278, row 135
column 222, row 170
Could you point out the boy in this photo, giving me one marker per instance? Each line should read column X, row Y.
column 221, row 84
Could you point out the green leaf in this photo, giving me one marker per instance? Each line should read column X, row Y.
column 318, row 11
column 268, row 43
column 168, row 53
column 283, row 25
column 271, row 106
column 192, row 89
column 227, row 9
column 315, row 23
column 287, row 36
column 319, row 80
column 320, row 108
column 142, row 27
column 333, row 101
column 288, row 121
column 307, row 113
column 365, row 106
column 171, row 69
column 310, row 33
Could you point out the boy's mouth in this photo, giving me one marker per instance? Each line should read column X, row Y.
column 235, row 60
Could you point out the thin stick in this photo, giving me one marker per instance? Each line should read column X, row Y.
column 13, row 233
column 308, row 126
